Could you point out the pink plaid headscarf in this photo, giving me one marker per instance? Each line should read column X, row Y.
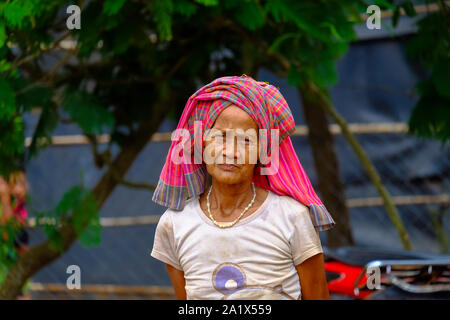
column 268, row 108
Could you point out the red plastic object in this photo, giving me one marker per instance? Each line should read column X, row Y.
column 348, row 275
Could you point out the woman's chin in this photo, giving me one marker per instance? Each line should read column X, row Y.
column 227, row 177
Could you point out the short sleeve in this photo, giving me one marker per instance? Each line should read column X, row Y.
column 164, row 243
column 305, row 241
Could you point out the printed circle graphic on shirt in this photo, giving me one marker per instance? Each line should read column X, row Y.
column 228, row 278
column 231, row 284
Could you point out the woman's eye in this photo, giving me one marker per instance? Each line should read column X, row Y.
column 219, row 137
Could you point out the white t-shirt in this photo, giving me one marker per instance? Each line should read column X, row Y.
column 254, row 259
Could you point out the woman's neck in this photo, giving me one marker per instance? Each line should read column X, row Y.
column 229, row 197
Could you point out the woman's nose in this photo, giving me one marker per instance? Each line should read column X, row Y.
column 231, row 150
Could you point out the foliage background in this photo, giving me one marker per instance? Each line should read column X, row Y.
column 136, row 62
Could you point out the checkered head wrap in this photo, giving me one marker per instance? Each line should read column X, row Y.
column 268, row 108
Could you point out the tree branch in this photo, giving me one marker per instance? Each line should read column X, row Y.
column 36, row 55
column 39, row 256
column 48, row 78
column 100, row 159
column 221, row 21
column 325, row 103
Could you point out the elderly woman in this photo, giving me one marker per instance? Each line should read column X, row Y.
column 236, row 228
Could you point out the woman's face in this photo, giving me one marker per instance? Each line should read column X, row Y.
column 231, row 147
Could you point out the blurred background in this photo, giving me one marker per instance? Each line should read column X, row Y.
column 90, row 94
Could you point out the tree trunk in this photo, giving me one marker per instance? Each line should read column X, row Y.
column 39, row 256
column 325, row 103
column 327, row 168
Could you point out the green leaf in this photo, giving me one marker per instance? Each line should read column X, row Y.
column 409, row 9
column 250, row 15
column 54, row 237
column 12, row 140
column 395, row 16
column 208, row 3
column 78, row 204
column 430, row 117
column 389, row 29
column 3, row 51
column 294, row 12
column 11, row 130
column 7, row 100
column 91, row 235
column 332, row 29
column 86, row 221
column 94, row 24
column 111, row 7
column 42, row 135
column 276, row 8
column 295, row 78
column 51, row 230
column 185, row 8
column 34, row 97
column 84, row 109
column 2, row 33
column 384, row 4
column 441, row 77
column 17, row 10
column 162, row 15
column 324, row 74
column 279, row 40
column 354, row 15
column 70, row 200
column 337, row 49
column 8, row 252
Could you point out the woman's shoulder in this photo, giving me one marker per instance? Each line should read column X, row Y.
column 189, row 208
column 287, row 214
column 289, row 205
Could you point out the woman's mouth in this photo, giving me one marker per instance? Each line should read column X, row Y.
column 227, row 167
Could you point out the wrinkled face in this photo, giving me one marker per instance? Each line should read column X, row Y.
column 231, row 146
